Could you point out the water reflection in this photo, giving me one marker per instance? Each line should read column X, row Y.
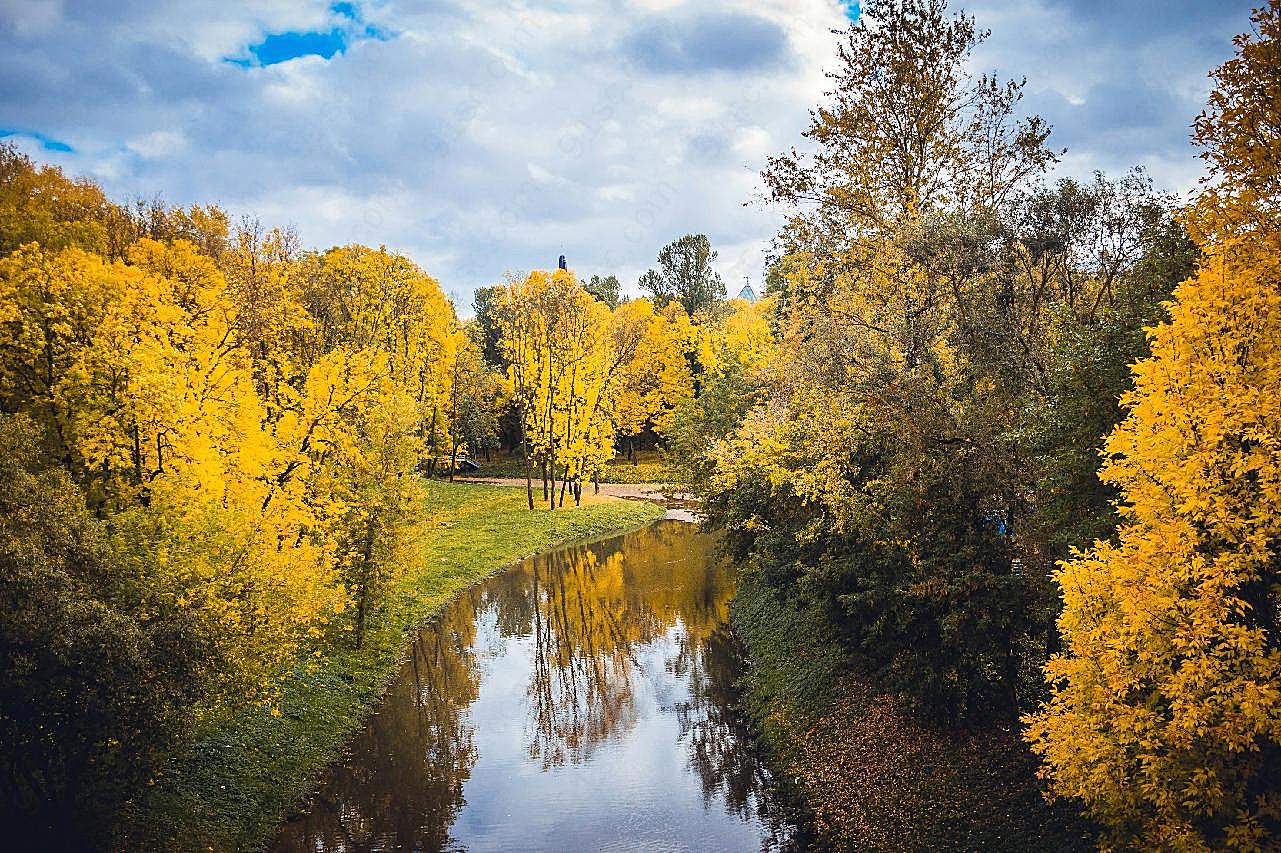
column 583, row 700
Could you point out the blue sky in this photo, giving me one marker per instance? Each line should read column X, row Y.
column 482, row 138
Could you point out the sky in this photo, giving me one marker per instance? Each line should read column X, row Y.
column 482, row 138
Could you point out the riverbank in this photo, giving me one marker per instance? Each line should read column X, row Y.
column 245, row 772
column 871, row 776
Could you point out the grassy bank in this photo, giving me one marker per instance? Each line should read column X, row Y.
column 873, row 777
column 246, row 771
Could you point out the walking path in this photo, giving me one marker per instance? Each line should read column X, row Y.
column 659, row 493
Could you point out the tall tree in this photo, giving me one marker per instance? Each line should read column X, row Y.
column 685, row 275
column 607, row 289
column 877, row 475
column 908, row 131
column 1165, row 717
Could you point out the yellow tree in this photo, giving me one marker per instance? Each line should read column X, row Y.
column 375, row 403
column 656, row 379
column 563, row 359
column 473, row 400
column 41, row 205
column 1165, row 717
column 134, row 370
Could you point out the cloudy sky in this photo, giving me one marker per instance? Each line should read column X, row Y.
column 484, row 137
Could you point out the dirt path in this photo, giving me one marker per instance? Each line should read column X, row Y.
column 654, row 492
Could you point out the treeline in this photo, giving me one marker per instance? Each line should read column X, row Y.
column 921, row 459
column 211, row 449
column 587, row 372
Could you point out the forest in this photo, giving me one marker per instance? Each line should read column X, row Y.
column 1007, row 444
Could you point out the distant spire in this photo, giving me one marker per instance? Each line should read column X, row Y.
column 561, row 264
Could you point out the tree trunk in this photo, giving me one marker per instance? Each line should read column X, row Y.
column 529, row 460
column 529, row 468
column 365, row 574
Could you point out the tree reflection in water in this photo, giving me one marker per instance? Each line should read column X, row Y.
column 594, row 607
column 414, row 754
column 719, row 741
column 604, row 634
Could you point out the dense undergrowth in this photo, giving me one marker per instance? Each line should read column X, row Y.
column 873, row 776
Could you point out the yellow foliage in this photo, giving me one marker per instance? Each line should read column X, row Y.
column 1165, row 717
column 1167, row 700
column 251, row 425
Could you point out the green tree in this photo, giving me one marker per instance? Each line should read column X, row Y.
column 685, row 275
column 877, row 476
column 91, row 692
column 607, row 289
column 485, row 307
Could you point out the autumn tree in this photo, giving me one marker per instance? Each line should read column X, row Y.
column 211, row 454
column 1165, row 717
column 875, row 475
column 567, row 354
column 474, row 399
column 41, row 205
column 656, row 379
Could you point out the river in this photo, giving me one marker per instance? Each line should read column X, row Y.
column 582, row 700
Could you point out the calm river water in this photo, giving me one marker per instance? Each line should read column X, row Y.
column 583, row 700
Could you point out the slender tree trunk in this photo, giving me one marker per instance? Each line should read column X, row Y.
column 596, row 481
column 551, row 473
column 362, row 603
column 578, row 493
column 137, row 456
column 453, row 461
column 431, row 443
column 529, row 467
column 563, row 482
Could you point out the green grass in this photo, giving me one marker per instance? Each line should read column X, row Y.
column 246, row 771
column 871, row 775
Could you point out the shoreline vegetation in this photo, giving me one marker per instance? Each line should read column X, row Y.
column 864, row 771
column 252, row 767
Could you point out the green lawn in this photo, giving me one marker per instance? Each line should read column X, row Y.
column 246, row 771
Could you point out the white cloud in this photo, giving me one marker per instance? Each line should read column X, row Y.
column 485, row 137
column 160, row 143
